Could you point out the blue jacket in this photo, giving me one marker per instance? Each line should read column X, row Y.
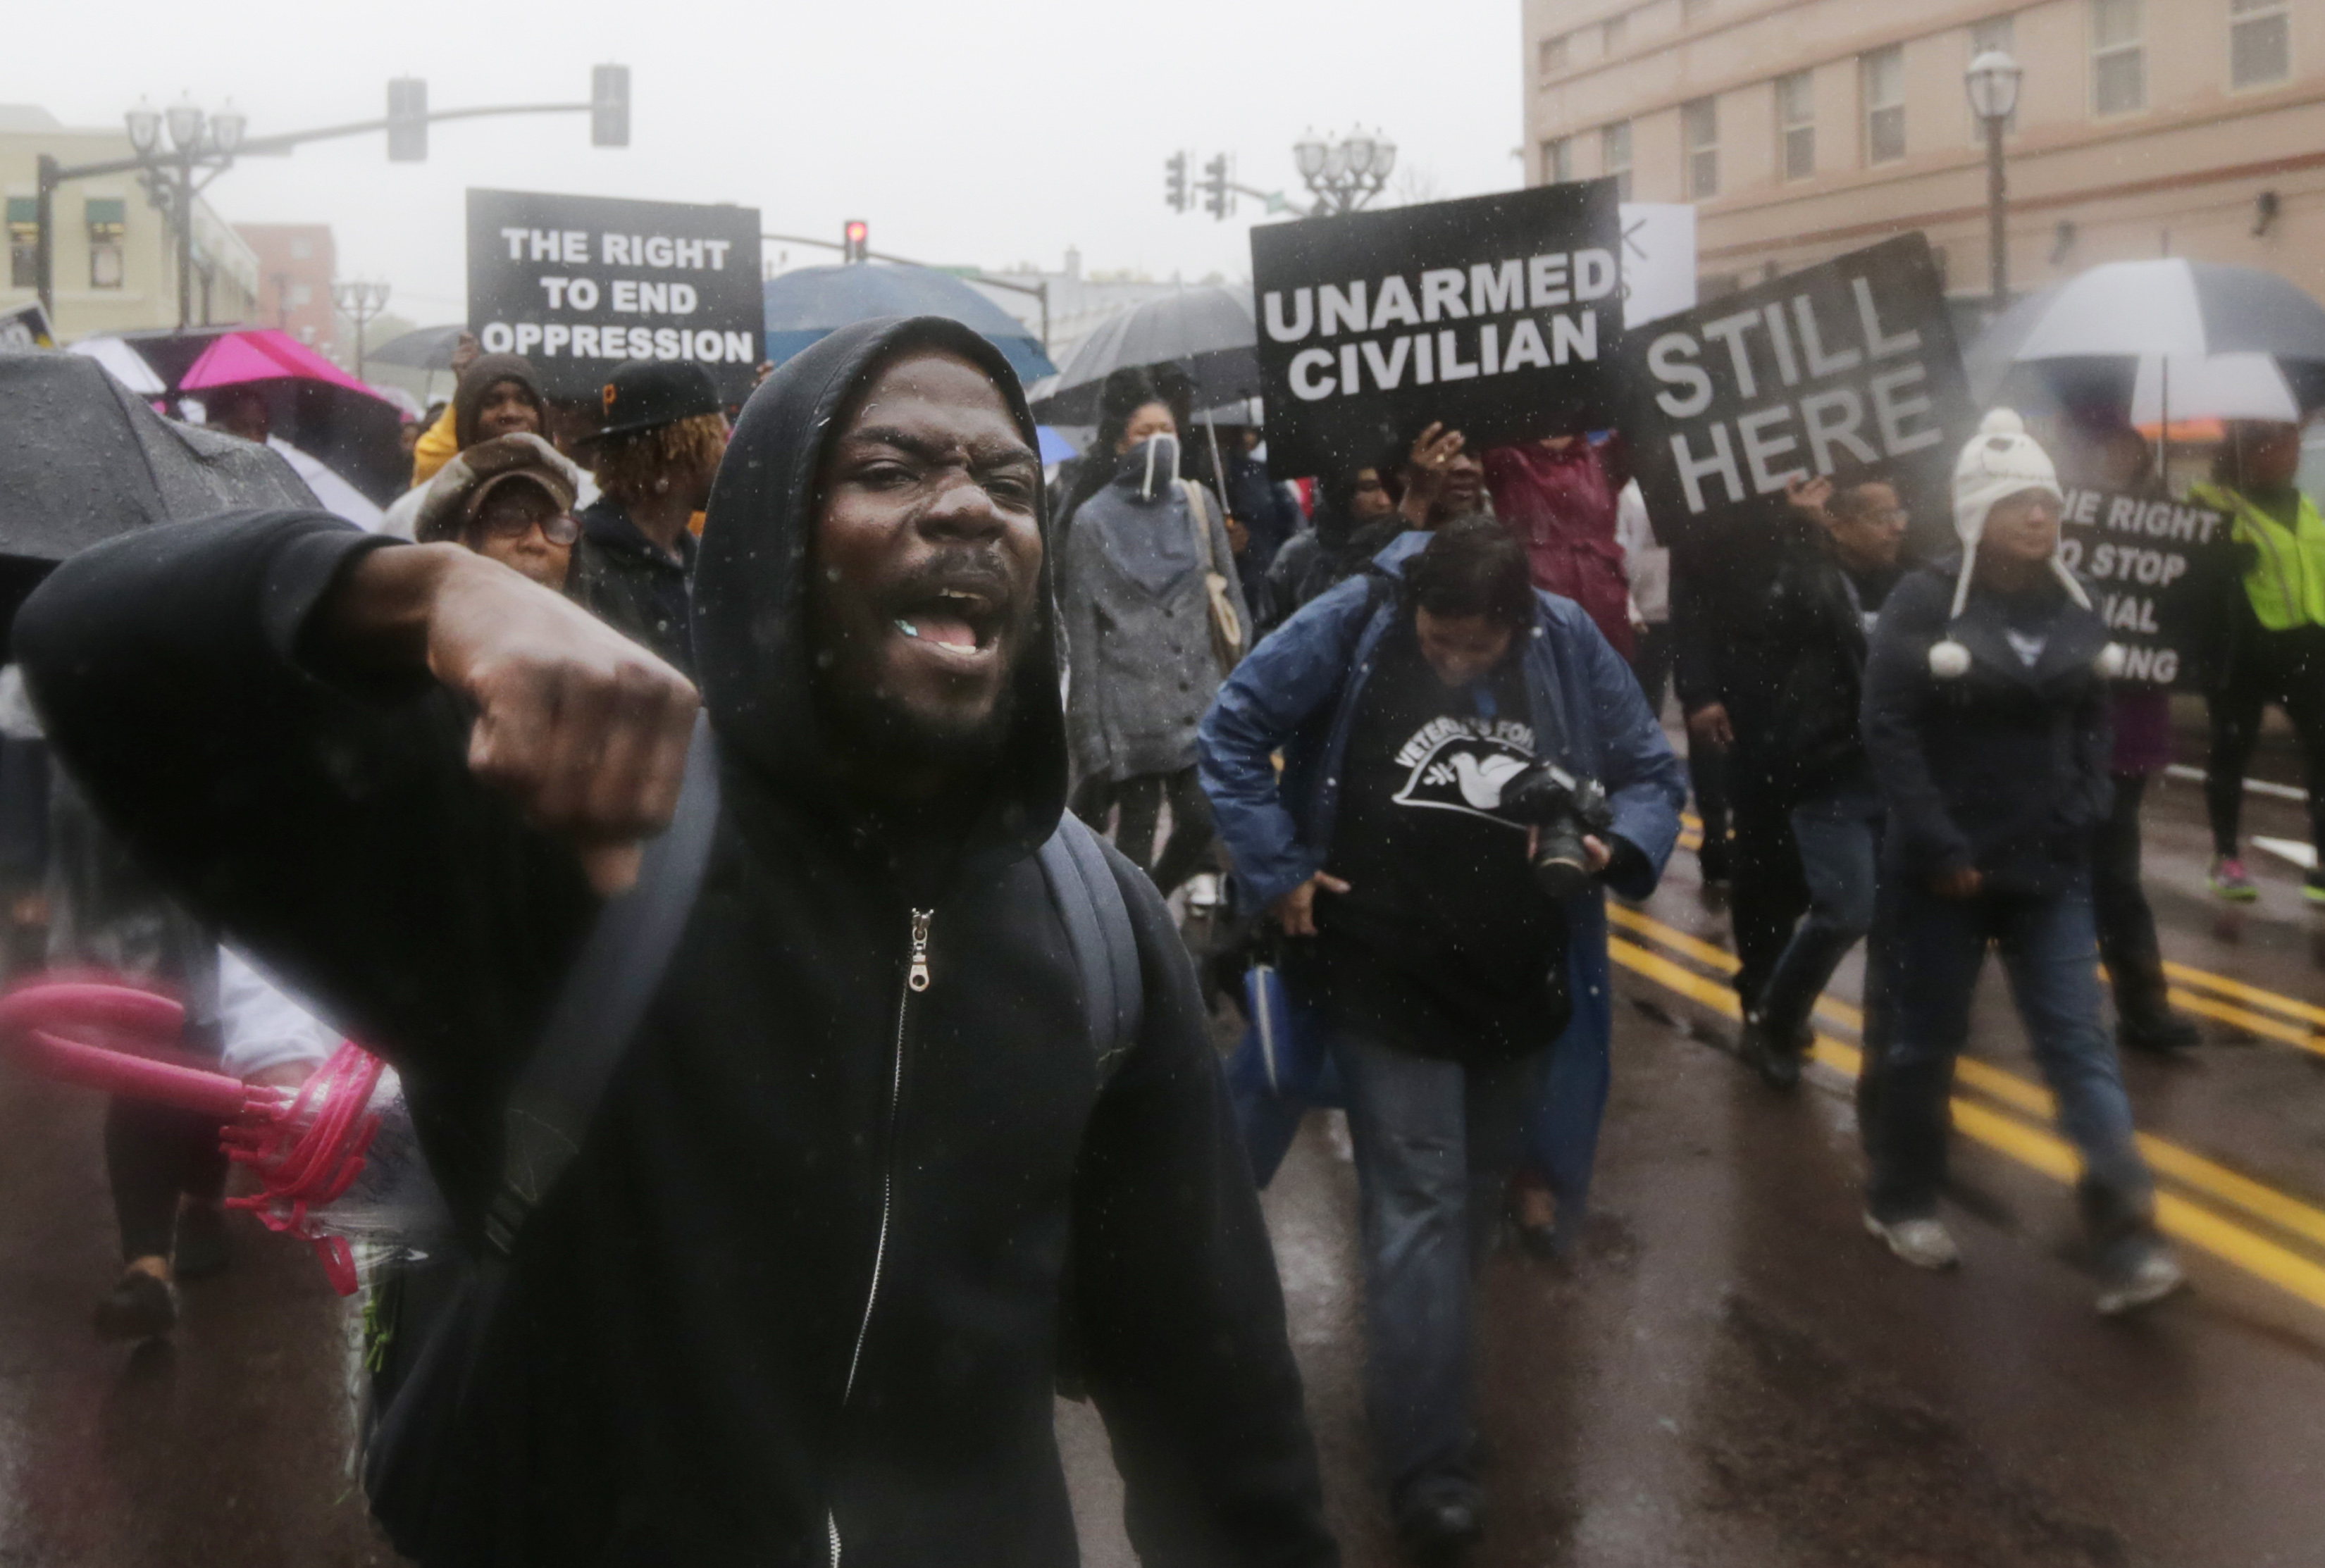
column 1588, row 715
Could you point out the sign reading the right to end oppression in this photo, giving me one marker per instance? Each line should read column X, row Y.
column 2151, row 562
column 1847, row 369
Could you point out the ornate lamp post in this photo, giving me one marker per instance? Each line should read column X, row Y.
column 1992, row 82
column 360, row 301
column 1343, row 175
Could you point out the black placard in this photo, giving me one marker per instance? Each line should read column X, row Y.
column 1498, row 315
column 579, row 283
column 24, row 326
column 2150, row 566
column 1848, row 369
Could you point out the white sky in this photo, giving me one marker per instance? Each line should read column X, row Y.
column 987, row 134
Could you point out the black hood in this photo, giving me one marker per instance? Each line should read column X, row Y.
column 486, row 373
column 750, row 650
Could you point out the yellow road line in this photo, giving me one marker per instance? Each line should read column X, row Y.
column 2190, row 975
column 2198, row 1226
column 2292, row 1033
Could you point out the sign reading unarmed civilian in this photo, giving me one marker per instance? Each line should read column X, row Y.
column 1499, row 315
column 1847, row 369
column 578, row 284
column 2147, row 562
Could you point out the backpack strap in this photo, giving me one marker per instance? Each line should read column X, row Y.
column 606, row 993
column 1105, row 944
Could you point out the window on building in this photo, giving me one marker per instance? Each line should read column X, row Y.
column 1611, row 34
column 1691, row 12
column 1796, row 124
column 1994, row 32
column 1553, row 55
column 1614, row 156
column 109, row 226
column 1558, row 161
column 1699, row 120
column 2118, row 57
column 1883, row 74
column 2260, row 42
column 24, row 242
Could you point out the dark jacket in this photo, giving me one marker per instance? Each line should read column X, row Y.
column 2004, row 767
column 486, row 371
column 628, row 582
column 1817, row 649
column 1319, row 558
column 798, row 1296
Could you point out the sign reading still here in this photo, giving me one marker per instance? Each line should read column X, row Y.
column 578, row 284
column 1497, row 315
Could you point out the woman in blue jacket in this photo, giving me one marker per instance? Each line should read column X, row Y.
column 1402, row 702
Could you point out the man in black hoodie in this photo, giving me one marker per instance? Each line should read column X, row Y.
column 797, row 1299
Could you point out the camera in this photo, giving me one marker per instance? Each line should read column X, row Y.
column 1561, row 809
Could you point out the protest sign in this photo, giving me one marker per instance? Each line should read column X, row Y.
column 2149, row 562
column 1847, row 369
column 1498, row 315
column 1658, row 259
column 24, row 326
column 580, row 284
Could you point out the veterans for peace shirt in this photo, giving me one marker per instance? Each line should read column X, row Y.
column 1444, row 944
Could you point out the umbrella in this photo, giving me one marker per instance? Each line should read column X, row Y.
column 126, row 365
column 424, row 349
column 1055, row 447
column 1209, row 333
column 82, row 458
column 804, row 305
column 2120, row 333
column 313, row 404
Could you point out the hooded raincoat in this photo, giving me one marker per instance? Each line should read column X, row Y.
column 796, row 1301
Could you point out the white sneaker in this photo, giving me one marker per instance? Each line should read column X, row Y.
column 2156, row 1275
column 1924, row 1243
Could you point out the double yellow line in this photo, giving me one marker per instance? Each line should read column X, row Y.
column 2248, row 1224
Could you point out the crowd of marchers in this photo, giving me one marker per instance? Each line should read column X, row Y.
column 919, row 1117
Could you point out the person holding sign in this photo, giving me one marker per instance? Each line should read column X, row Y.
column 2272, row 636
column 1986, row 715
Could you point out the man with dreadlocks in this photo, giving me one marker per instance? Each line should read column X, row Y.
column 657, row 453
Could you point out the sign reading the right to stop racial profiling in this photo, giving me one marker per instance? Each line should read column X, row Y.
column 2148, row 562
column 1847, row 369
column 578, row 284
column 1499, row 315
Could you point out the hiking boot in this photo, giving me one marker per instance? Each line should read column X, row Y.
column 141, row 1307
column 2160, row 1035
column 2144, row 1273
column 2231, row 881
column 1925, row 1243
column 1776, row 1055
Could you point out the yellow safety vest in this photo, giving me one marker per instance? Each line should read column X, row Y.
column 2286, row 581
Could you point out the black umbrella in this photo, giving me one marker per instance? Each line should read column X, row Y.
column 423, row 348
column 82, row 459
column 1209, row 333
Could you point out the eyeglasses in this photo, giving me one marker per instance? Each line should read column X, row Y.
column 559, row 530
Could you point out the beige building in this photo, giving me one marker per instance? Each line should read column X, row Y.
column 1805, row 128
column 115, row 265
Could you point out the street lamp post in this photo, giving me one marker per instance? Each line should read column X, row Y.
column 361, row 302
column 1992, row 82
column 1343, row 175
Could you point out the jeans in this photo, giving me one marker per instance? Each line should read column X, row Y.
column 2052, row 957
column 2127, row 926
column 1435, row 1141
column 1839, row 840
column 2284, row 668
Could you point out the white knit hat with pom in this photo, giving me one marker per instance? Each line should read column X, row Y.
column 2000, row 461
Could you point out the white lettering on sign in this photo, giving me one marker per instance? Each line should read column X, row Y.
column 558, row 339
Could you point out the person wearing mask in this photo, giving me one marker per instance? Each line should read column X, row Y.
column 509, row 499
column 1553, row 494
column 657, row 454
column 1825, row 604
column 1986, row 716
column 1402, row 705
column 2113, row 456
column 2271, row 639
column 1141, row 653
column 798, row 1297
column 1132, row 405
column 1355, row 517
column 498, row 394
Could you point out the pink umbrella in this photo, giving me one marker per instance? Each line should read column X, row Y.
column 264, row 353
column 313, row 404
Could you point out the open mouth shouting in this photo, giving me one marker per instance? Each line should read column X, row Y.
column 960, row 625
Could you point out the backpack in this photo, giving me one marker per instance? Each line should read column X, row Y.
column 445, row 1305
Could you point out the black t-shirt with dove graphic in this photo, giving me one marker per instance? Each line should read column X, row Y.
column 1443, row 945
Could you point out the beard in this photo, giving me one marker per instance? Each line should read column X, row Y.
column 886, row 735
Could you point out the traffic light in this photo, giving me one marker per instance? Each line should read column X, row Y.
column 859, row 235
column 1174, row 169
column 1215, row 187
column 407, row 120
column 609, row 106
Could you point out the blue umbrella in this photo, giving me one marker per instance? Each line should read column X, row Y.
column 1055, row 448
column 805, row 305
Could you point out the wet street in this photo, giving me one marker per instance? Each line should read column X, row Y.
column 1730, row 1372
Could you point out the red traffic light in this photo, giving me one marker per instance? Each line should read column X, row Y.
column 858, row 237
column 856, row 234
